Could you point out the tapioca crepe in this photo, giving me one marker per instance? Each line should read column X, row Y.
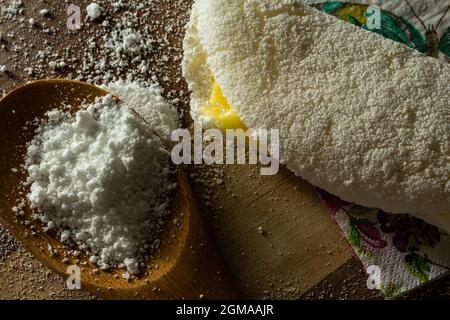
column 361, row 116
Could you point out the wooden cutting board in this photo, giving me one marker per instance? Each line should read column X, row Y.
column 275, row 233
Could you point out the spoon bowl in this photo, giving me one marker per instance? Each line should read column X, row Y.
column 186, row 266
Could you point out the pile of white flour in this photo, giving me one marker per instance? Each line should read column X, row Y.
column 147, row 100
column 101, row 178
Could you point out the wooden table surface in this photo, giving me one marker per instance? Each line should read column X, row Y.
column 273, row 232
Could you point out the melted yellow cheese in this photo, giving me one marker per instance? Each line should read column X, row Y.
column 220, row 111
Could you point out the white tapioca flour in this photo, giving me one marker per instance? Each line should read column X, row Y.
column 94, row 11
column 100, row 178
column 147, row 100
column 3, row 70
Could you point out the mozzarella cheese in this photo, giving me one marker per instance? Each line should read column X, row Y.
column 218, row 112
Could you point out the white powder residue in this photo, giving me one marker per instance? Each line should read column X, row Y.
column 101, row 179
column 3, row 70
column 94, row 10
column 14, row 8
column 44, row 12
column 7, row 243
column 123, row 47
column 149, row 103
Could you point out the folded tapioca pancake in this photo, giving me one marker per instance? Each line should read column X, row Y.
column 360, row 116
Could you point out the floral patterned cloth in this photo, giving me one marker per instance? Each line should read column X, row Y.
column 406, row 251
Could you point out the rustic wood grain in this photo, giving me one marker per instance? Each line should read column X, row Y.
column 275, row 233
column 301, row 250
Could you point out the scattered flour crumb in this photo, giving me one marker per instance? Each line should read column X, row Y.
column 3, row 70
column 44, row 12
column 94, row 11
column 262, row 231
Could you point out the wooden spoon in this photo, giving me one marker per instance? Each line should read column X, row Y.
column 187, row 266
